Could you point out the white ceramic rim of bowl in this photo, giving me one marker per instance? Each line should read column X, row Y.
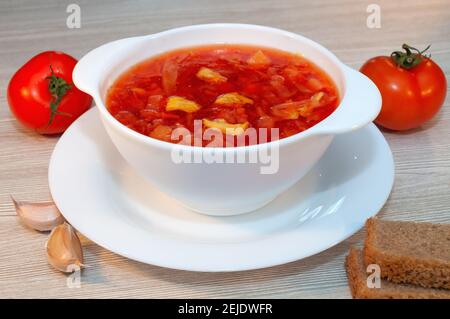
column 84, row 74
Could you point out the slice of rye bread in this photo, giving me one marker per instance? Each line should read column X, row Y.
column 409, row 252
column 357, row 278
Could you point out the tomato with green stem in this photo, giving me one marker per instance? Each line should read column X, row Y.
column 42, row 96
column 413, row 87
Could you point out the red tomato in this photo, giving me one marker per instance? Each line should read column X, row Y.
column 412, row 86
column 42, row 96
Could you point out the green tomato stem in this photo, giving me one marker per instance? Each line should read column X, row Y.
column 410, row 58
column 58, row 88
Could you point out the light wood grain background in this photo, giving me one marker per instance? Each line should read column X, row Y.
column 422, row 184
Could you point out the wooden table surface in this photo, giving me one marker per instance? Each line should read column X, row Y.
column 422, row 157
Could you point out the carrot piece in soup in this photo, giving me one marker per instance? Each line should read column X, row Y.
column 162, row 132
column 154, row 102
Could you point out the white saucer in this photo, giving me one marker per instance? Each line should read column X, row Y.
column 101, row 196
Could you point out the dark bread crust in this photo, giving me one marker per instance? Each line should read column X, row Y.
column 357, row 278
column 409, row 252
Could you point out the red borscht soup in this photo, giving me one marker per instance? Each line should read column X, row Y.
column 229, row 89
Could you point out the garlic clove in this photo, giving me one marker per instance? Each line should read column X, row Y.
column 38, row 216
column 64, row 250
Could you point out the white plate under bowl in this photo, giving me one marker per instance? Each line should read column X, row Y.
column 104, row 199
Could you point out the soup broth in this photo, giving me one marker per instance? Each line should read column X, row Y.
column 226, row 89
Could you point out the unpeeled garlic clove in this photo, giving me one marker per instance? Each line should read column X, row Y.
column 64, row 250
column 39, row 216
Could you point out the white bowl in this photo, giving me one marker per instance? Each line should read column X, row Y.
column 225, row 188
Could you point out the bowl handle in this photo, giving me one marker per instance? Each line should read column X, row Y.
column 88, row 71
column 360, row 105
